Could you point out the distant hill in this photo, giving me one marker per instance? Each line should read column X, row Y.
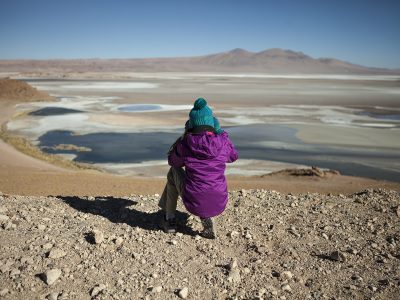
column 272, row 61
column 16, row 90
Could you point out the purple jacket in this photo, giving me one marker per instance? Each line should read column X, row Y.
column 204, row 156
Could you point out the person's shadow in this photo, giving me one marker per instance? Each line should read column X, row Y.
column 119, row 210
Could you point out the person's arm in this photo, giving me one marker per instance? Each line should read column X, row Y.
column 175, row 155
column 231, row 150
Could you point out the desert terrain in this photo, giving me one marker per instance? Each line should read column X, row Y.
column 76, row 229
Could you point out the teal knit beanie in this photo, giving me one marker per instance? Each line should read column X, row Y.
column 217, row 126
column 201, row 114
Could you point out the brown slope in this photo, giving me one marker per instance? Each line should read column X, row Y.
column 20, row 91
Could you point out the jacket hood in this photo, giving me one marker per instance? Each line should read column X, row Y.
column 205, row 145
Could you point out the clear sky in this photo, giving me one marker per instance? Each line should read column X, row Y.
column 365, row 32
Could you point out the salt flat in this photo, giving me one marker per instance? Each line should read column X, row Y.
column 291, row 119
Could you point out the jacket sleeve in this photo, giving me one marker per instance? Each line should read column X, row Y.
column 232, row 152
column 175, row 158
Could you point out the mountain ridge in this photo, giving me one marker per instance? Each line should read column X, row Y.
column 274, row 61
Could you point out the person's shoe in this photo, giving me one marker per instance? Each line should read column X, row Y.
column 169, row 226
column 209, row 230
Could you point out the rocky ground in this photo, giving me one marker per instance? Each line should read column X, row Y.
column 270, row 246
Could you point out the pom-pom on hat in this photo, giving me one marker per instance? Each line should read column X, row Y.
column 201, row 114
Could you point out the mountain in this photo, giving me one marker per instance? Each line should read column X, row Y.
column 272, row 61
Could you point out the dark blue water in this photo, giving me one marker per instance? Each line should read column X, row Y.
column 54, row 111
column 394, row 117
column 137, row 147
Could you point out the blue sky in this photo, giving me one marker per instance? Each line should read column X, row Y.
column 363, row 32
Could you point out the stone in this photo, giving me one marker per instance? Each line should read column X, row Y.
column 3, row 218
column 233, row 264
column 47, row 246
column 286, row 287
column 183, row 293
column 27, row 260
column 233, row 234
column 118, row 241
column 41, row 227
column 157, row 289
column 52, row 296
column 287, row 274
column 246, row 271
column 51, row 276
column 98, row 236
column 261, row 292
column 337, row 256
column 3, row 292
column 56, row 253
column 234, row 276
column 97, row 290
column 373, row 288
column 325, row 236
column 15, row 272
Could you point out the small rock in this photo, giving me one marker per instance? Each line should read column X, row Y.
column 234, row 276
column 183, row 293
column 373, row 288
column 173, row 242
column 233, row 264
column 98, row 236
column 51, row 276
column 27, row 260
column 97, row 289
column 118, row 241
column 233, row 233
column 287, row 274
column 246, row 271
column 3, row 292
column 52, row 296
column 47, row 246
column 15, row 272
column 41, row 227
column 357, row 278
column 4, row 268
column 337, row 256
column 261, row 292
column 157, row 289
column 56, row 253
column 285, row 287
column 135, row 255
column 3, row 218
column 325, row 236
column 398, row 211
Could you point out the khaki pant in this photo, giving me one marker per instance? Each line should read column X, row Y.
column 173, row 189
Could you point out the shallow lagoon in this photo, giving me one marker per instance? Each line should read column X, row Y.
column 270, row 119
column 262, row 142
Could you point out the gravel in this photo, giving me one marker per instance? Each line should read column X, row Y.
column 270, row 245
